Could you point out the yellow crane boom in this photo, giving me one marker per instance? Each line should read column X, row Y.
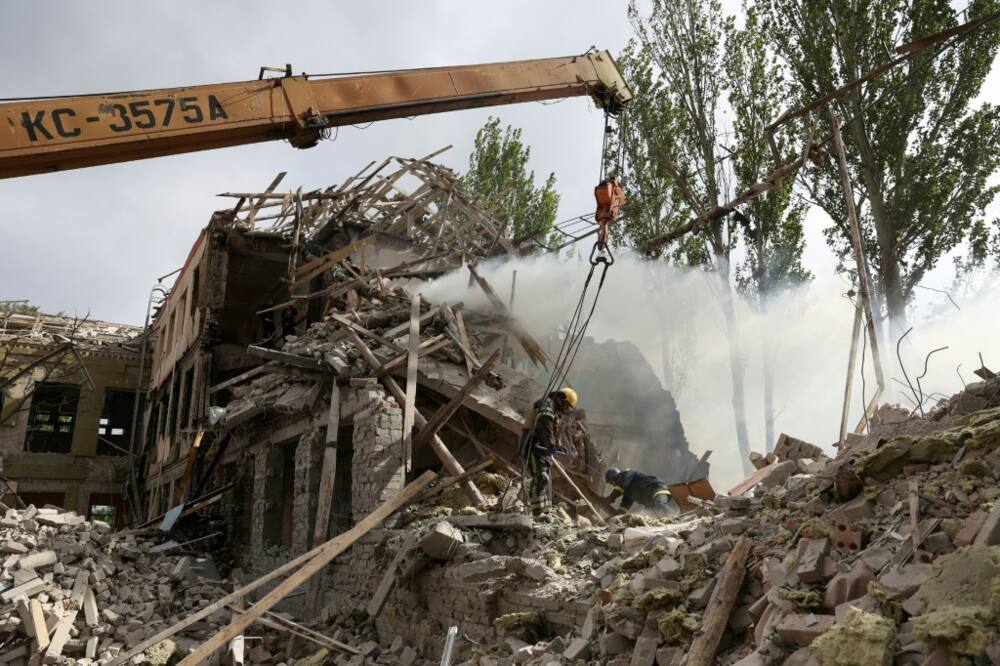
column 56, row 134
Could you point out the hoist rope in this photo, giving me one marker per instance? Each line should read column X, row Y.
column 575, row 331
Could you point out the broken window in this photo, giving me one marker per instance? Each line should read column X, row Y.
column 186, row 402
column 163, row 414
column 103, row 512
column 52, row 418
column 150, row 431
column 168, row 343
column 175, row 399
column 40, row 499
column 195, row 284
column 116, row 419
column 279, row 495
column 107, row 507
column 182, row 308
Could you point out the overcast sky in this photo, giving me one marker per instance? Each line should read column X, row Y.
column 97, row 239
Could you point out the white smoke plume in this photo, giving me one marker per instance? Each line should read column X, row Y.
column 809, row 328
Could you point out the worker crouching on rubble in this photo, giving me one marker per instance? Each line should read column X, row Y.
column 633, row 486
column 542, row 441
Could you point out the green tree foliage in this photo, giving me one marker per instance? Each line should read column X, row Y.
column 18, row 307
column 671, row 130
column 772, row 223
column 499, row 181
column 687, row 61
column 920, row 149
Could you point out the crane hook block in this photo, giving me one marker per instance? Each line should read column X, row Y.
column 610, row 198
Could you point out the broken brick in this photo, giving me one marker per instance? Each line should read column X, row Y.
column 802, row 629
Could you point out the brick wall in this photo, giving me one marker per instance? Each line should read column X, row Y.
column 377, row 467
column 308, row 469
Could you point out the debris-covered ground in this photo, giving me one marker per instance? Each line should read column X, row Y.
column 888, row 554
column 74, row 591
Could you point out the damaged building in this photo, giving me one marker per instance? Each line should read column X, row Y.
column 310, row 416
column 281, row 353
column 68, row 398
column 330, row 458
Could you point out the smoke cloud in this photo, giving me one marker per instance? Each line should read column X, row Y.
column 659, row 307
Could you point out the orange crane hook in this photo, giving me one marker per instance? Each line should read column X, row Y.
column 610, row 198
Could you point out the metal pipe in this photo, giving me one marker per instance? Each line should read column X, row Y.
column 163, row 292
column 449, row 646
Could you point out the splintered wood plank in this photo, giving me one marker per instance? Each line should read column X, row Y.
column 38, row 624
column 326, row 486
column 528, row 343
column 358, row 328
column 411, row 381
column 389, row 579
column 329, row 552
column 470, row 359
column 720, row 606
column 311, row 269
column 329, row 468
column 430, row 346
column 460, row 322
column 566, row 477
column 59, row 637
column 288, row 359
column 254, row 204
column 448, row 410
column 449, row 482
column 252, row 372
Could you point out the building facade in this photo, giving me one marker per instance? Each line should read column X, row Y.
column 69, row 390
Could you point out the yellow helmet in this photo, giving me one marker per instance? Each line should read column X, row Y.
column 570, row 396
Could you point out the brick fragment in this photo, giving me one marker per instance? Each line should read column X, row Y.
column 802, row 629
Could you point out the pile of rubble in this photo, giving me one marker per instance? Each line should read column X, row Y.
column 74, row 591
column 889, row 553
column 85, row 333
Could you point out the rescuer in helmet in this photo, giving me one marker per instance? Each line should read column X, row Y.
column 634, row 486
column 540, row 441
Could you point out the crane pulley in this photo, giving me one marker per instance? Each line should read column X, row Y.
column 610, row 199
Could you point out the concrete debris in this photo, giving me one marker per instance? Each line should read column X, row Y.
column 79, row 593
column 834, row 578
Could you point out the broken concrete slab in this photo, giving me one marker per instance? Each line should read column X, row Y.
column 441, row 541
column 493, row 521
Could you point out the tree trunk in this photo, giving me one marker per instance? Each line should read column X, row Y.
column 768, row 369
column 885, row 232
column 735, row 361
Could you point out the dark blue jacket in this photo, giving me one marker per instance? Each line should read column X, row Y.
column 633, row 486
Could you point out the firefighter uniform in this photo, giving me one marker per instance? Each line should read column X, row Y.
column 645, row 489
column 537, row 454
